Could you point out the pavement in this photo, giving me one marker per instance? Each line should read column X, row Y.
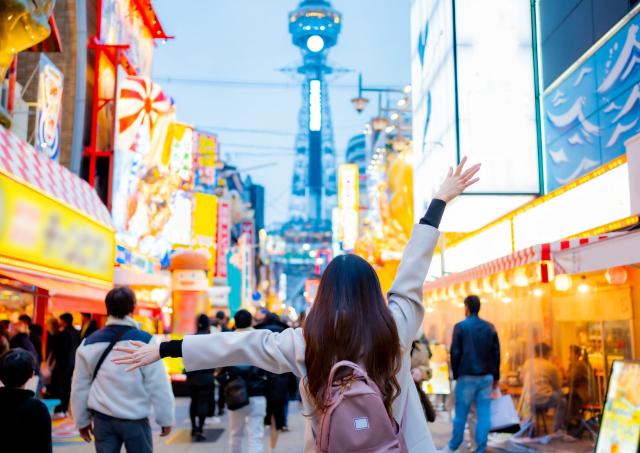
column 66, row 438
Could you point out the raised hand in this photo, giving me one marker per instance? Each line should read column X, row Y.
column 138, row 354
column 457, row 181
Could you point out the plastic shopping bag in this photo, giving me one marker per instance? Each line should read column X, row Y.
column 504, row 417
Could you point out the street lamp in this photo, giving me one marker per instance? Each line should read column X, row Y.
column 360, row 102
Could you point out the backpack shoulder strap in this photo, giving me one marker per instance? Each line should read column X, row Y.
column 107, row 350
column 346, row 364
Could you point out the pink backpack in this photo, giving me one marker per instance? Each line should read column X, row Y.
column 356, row 419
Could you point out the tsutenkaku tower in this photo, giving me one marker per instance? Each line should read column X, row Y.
column 314, row 28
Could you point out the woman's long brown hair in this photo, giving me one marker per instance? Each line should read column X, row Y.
column 349, row 320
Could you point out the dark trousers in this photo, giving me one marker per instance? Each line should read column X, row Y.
column 110, row 433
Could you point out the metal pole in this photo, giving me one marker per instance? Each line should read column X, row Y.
column 77, row 140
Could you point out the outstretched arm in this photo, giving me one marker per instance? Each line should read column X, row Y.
column 405, row 296
column 276, row 352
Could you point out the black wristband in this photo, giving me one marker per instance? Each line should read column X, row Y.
column 171, row 348
column 434, row 213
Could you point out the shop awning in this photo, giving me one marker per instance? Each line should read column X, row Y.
column 534, row 254
column 64, row 295
column 621, row 250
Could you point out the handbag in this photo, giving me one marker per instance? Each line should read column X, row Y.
column 504, row 417
column 236, row 395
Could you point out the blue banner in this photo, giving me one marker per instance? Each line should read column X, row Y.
column 594, row 110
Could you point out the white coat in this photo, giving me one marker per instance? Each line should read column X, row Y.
column 284, row 352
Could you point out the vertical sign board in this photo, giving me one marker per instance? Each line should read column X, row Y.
column 49, row 108
column 248, row 232
column 206, row 146
column 224, row 238
column 205, row 226
column 348, row 204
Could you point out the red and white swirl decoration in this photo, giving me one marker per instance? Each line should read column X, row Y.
column 140, row 104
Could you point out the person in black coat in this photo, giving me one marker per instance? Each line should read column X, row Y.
column 64, row 357
column 201, row 389
column 89, row 325
column 278, row 385
column 35, row 335
column 25, row 423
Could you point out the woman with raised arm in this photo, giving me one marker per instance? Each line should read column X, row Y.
column 349, row 320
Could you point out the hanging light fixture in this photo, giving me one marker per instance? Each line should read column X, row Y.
column 563, row 282
column 378, row 123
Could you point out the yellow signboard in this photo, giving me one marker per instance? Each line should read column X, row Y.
column 205, row 226
column 40, row 231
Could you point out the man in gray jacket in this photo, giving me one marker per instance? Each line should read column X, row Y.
column 113, row 406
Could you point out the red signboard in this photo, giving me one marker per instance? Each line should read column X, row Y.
column 223, row 237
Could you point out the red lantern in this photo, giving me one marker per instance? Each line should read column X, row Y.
column 616, row 275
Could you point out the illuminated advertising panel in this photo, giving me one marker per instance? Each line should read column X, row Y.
column 594, row 108
column 40, row 231
column 223, row 238
column 49, row 108
column 153, row 174
column 620, row 426
column 434, row 116
column 315, row 105
column 348, row 204
column 496, row 95
column 206, row 149
column 595, row 203
column 121, row 23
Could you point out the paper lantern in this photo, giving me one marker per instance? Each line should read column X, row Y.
column 520, row 277
column 486, row 285
column 616, row 275
column 563, row 282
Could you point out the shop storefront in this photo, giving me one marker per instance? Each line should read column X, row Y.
column 56, row 239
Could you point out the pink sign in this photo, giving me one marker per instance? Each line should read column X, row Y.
column 223, row 237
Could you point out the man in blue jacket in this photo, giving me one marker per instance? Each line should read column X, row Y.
column 475, row 362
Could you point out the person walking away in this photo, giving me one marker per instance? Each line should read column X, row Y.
column 89, row 325
column 25, row 423
column 201, row 389
column 246, row 422
column 113, row 407
column 278, row 385
column 349, row 320
column 543, row 384
column 64, row 354
column 475, row 363
column 34, row 335
column 19, row 333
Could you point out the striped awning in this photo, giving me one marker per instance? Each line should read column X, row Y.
column 534, row 254
column 23, row 162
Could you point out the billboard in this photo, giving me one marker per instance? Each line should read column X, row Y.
column 153, row 171
column 49, row 108
column 467, row 100
column 433, row 96
column 592, row 109
column 496, row 94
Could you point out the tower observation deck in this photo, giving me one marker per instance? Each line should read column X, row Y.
column 314, row 26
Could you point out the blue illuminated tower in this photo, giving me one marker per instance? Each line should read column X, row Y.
column 314, row 28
